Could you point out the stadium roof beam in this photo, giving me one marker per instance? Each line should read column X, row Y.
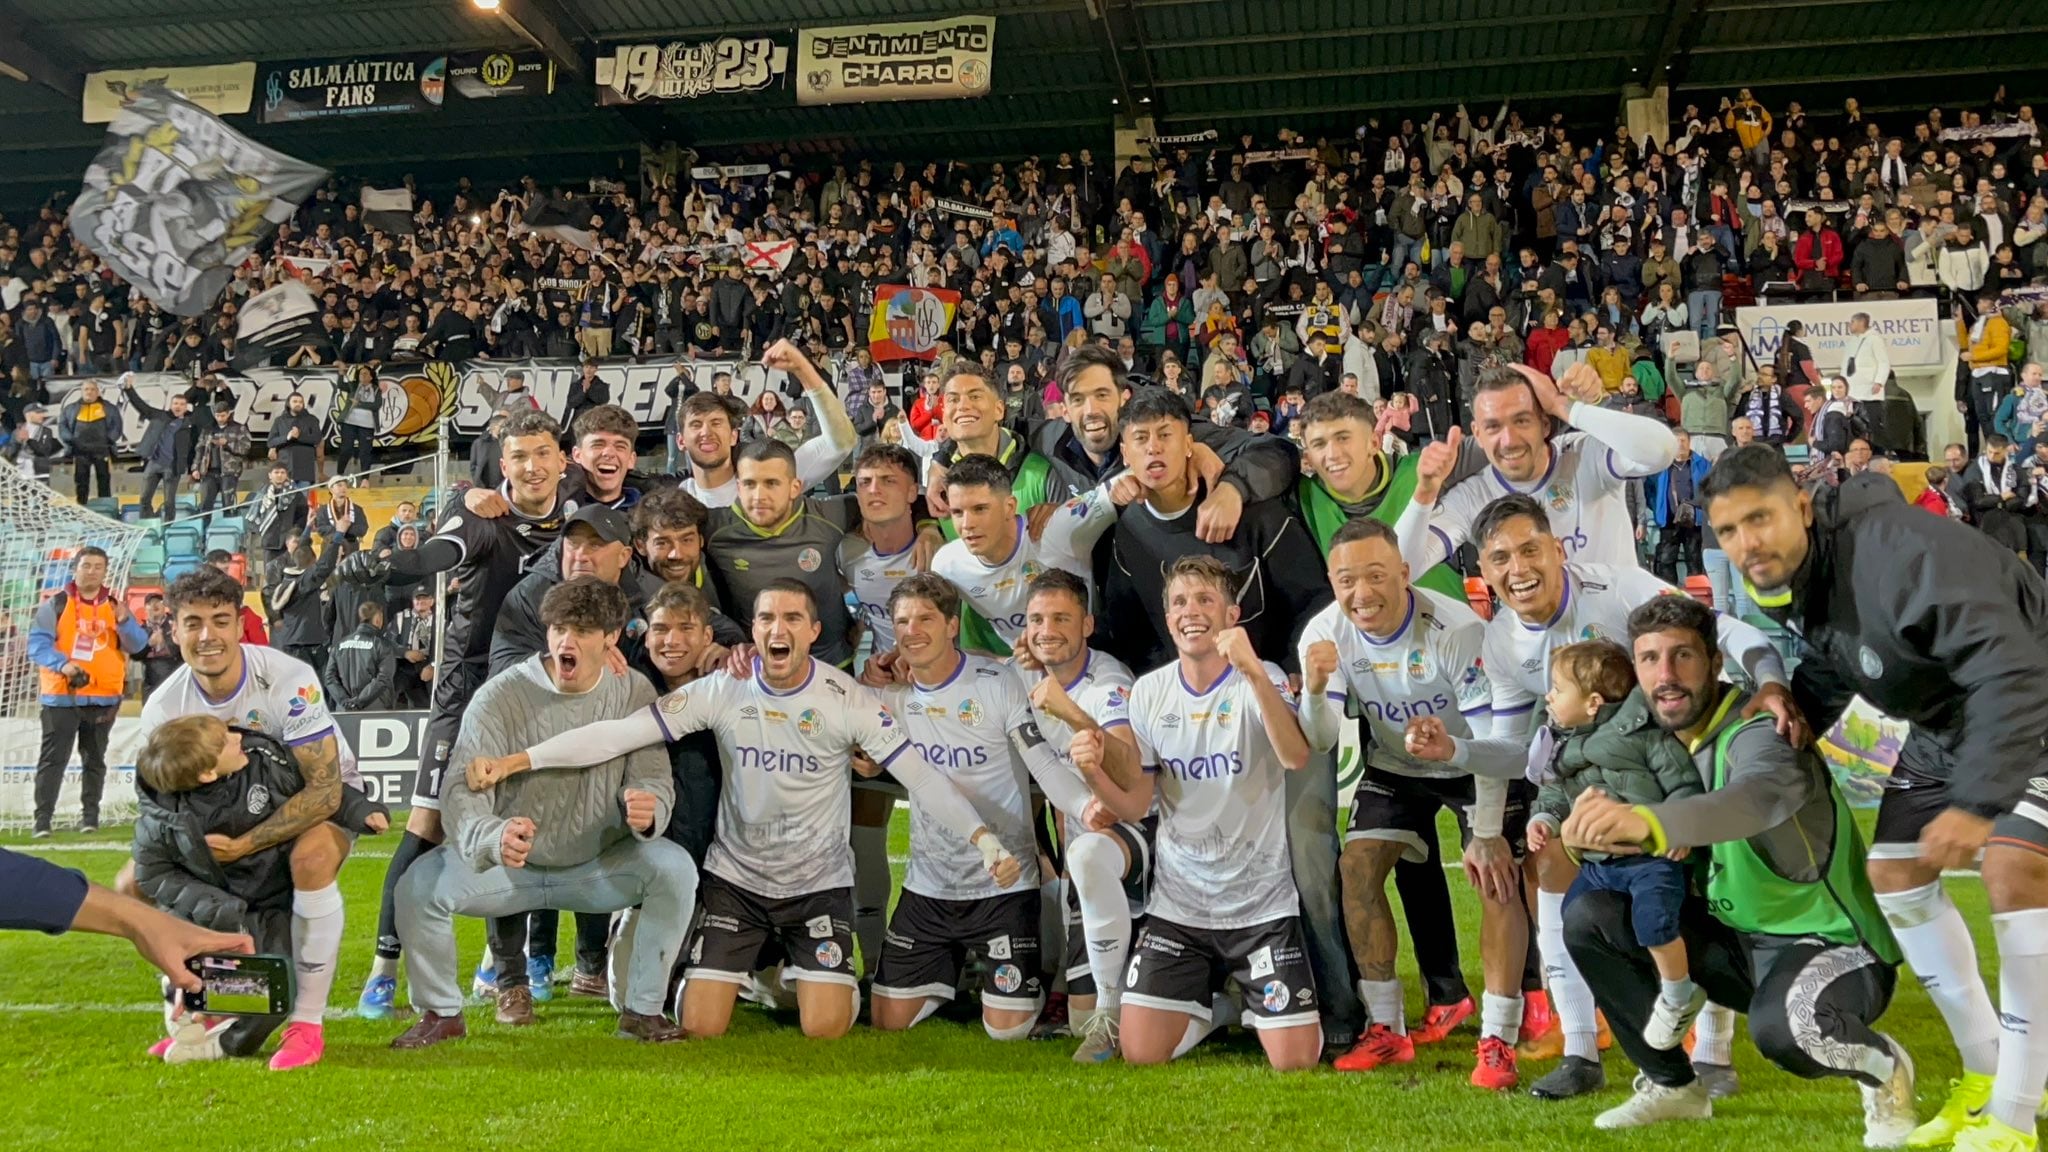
column 1866, row 40
column 1591, row 16
column 24, row 62
column 1099, row 14
column 1681, row 31
column 536, row 23
column 1389, row 69
column 1151, row 96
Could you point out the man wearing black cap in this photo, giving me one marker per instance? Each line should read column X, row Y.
column 597, row 541
column 33, row 443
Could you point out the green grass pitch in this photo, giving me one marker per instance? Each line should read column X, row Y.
column 76, row 1014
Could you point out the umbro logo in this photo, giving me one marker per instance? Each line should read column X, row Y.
column 750, row 712
column 1169, row 721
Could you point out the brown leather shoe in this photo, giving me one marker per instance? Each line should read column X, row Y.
column 431, row 1030
column 515, row 1006
column 594, row 984
column 648, row 1029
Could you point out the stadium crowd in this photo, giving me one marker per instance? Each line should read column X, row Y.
column 1189, row 490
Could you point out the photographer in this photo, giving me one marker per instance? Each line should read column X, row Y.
column 82, row 638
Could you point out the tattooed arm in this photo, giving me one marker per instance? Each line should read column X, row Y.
column 320, row 765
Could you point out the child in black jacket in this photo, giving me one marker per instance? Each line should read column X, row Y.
column 198, row 777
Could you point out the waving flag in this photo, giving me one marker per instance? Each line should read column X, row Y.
column 908, row 323
column 770, row 256
column 176, row 199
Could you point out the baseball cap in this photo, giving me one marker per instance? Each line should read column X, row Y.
column 610, row 524
column 34, row 410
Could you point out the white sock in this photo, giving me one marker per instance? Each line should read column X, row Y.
column 1676, row 992
column 1384, row 1004
column 931, row 1004
column 1197, row 1031
column 384, row 966
column 1571, row 998
column 1713, row 1035
column 316, row 946
column 2023, row 996
column 1095, row 867
column 1500, row 1016
column 1937, row 945
column 488, row 962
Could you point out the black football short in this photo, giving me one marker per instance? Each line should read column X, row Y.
column 442, row 727
column 739, row 930
column 1179, row 969
column 1402, row 809
column 1918, row 791
column 929, row 941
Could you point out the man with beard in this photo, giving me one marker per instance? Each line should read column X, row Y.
column 1546, row 602
column 1941, row 627
column 487, row 557
column 1788, row 929
column 710, row 433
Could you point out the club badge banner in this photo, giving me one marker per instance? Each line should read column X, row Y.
column 729, row 65
column 932, row 60
column 908, row 323
column 176, row 199
column 488, row 75
column 222, row 89
column 355, row 86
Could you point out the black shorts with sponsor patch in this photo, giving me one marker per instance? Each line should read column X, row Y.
column 1178, row 968
column 1913, row 798
column 1402, row 809
column 930, row 940
column 737, row 930
column 1137, row 841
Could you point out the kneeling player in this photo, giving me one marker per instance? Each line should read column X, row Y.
column 1217, row 732
column 779, row 872
column 1084, row 695
column 969, row 719
column 198, row 779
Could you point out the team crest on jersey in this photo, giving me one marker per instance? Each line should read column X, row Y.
column 970, row 712
column 673, row 702
column 1007, row 978
column 1868, row 661
column 1032, row 570
column 1418, row 668
column 1560, row 497
column 809, row 559
column 1223, row 713
column 305, row 698
column 259, row 800
column 1275, row 997
column 807, row 722
column 253, row 720
column 1594, row 632
column 829, row 955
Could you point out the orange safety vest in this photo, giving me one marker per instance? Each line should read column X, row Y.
column 88, row 636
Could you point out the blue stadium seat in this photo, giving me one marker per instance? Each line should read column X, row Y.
column 176, row 568
column 106, row 506
column 183, row 541
column 149, row 559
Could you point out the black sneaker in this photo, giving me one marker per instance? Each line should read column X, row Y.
column 1720, row 1079
column 1573, row 1076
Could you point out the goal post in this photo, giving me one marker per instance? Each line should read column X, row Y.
column 40, row 533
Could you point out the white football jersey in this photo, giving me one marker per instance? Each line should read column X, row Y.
column 784, row 814
column 279, row 696
column 1430, row 666
column 1221, row 853
column 977, row 730
column 1000, row 591
column 1103, row 691
column 1596, row 605
column 873, row 576
column 1584, row 491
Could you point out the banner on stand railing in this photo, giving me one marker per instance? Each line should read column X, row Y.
column 948, row 59
column 419, row 394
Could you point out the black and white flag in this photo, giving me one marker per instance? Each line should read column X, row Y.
column 281, row 319
column 176, row 199
column 388, row 210
column 963, row 208
column 565, row 220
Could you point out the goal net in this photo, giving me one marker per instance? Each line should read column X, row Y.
column 40, row 532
